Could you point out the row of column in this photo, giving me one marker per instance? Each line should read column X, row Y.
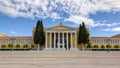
column 63, row 44
column 15, row 41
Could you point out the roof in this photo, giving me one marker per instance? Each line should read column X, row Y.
column 6, row 36
column 3, row 35
column 61, row 27
column 116, row 36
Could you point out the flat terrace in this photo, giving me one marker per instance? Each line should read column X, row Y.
column 59, row 59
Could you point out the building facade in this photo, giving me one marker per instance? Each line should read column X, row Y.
column 114, row 40
column 59, row 38
column 15, row 40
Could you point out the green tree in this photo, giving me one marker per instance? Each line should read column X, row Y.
column 89, row 45
column 116, row 46
column 25, row 46
column 10, row 45
column 3, row 46
column 39, row 36
column 83, row 36
column 102, row 46
column 95, row 46
column 108, row 46
column 80, row 35
column 17, row 46
column 32, row 46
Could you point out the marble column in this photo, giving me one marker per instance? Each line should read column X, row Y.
column 54, row 40
column 46, row 41
column 50, row 40
column 67, row 40
column 75, row 41
column 63, row 40
column 71, row 40
column 58, row 40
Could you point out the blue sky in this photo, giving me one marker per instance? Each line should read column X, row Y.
column 18, row 17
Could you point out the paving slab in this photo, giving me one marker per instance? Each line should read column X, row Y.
column 59, row 59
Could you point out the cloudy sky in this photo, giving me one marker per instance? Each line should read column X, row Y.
column 18, row 17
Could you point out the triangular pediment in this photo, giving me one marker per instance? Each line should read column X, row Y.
column 60, row 27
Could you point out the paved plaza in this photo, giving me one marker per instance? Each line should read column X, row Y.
column 59, row 59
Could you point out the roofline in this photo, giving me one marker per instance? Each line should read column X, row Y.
column 17, row 37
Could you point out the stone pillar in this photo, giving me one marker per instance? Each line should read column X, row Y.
column 54, row 40
column 46, row 41
column 50, row 40
column 75, row 41
column 67, row 40
column 71, row 40
column 63, row 40
column 58, row 40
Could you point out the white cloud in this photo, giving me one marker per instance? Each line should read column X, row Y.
column 79, row 20
column 13, row 32
column 112, row 29
column 78, row 10
column 88, row 21
column 108, row 25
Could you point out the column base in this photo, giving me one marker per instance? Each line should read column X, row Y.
column 54, row 49
column 45, row 49
column 74, row 49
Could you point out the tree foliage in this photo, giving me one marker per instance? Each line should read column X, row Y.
column 3, row 46
column 17, row 46
column 108, row 46
column 80, row 35
column 83, row 36
column 89, row 45
column 39, row 36
column 102, row 46
column 116, row 46
column 95, row 46
column 25, row 46
column 10, row 45
column 32, row 46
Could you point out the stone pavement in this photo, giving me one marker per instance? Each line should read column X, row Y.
column 59, row 59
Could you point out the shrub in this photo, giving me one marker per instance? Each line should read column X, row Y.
column 108, row 46
column 89, row 45
column 25, row 46
column 3, row 46
column 10, row 45
column 116, row 46
column 32, row 46
column 102, row 46
column 95, row 46
column 17, row 46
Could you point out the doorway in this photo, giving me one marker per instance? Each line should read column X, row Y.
column 61, row 44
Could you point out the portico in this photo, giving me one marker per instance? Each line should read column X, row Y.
column 61, row 38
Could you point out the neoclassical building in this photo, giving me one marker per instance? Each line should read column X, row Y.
column 21, row 40
column 59, row 37
column 114, row 40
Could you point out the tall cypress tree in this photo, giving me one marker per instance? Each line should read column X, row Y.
column 83, row 36
column 42, row 34
column 39, row 37
column 80, row 35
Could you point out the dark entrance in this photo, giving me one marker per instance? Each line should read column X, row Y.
column 65, row 46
